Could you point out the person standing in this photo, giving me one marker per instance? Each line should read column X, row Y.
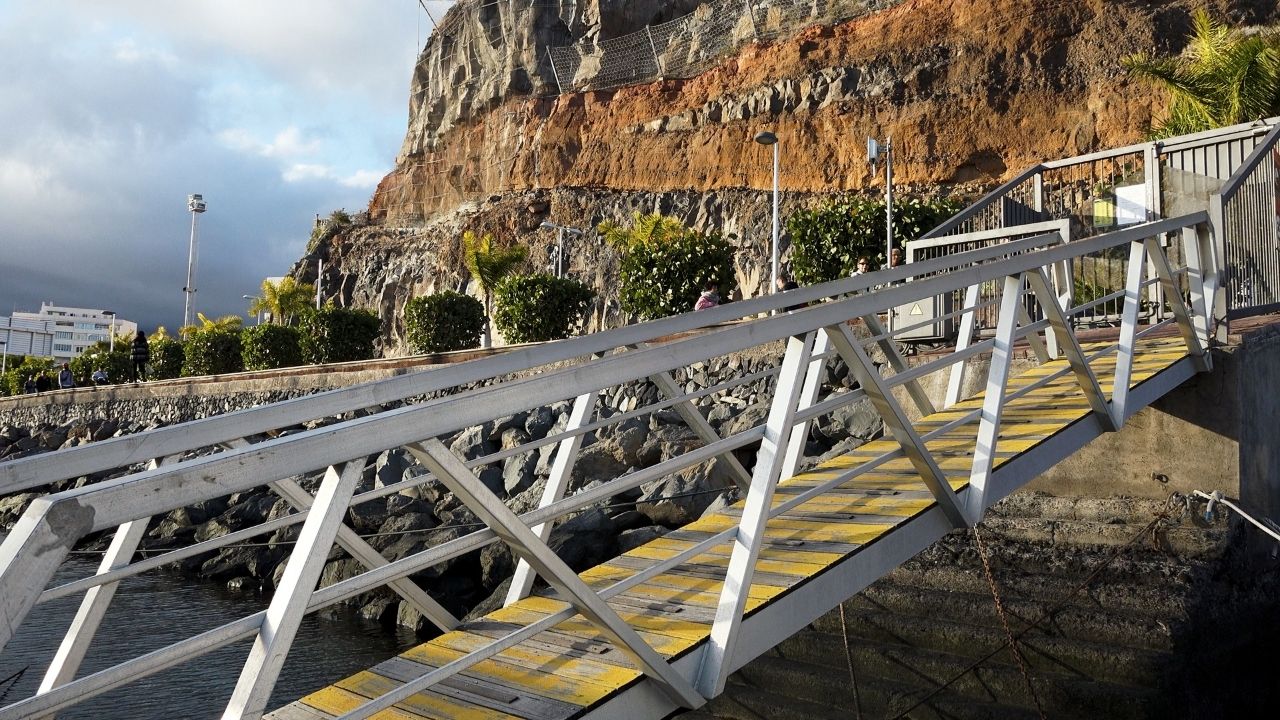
column 864, row 266
column 29, row 387
column 43, row 383
column 709, row 298
column 66, row 380
column 140, row 354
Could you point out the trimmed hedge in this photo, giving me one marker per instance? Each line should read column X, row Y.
column 443, row 322
column 268, row 347
column 333, row 334
column 827, row 241
column 167, row 358
column 211, row 351
column 18, row 371
column 537, row 308
column 99, row 355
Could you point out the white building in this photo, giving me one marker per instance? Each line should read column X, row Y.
column 73, row 329
column 26, row 337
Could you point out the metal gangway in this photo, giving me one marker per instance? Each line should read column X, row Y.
column 662, row 626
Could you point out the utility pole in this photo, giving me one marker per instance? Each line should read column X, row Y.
column 196, row 205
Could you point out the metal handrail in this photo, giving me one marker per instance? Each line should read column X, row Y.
column 54, row 523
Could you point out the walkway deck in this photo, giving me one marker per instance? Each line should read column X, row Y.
column 572, row 672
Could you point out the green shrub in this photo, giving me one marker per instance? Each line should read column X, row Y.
column 536, row 308
column 267, row 347
column 827, row 241
column 665, row 266
column 19, row 368
column 333, row 334
column 443, row 322
column 100, row 356
column 167, row 358
column 211, row 350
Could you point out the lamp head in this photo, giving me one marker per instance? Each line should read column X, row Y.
column 765, row 137
column 548, row 225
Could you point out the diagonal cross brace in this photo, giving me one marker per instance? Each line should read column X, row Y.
column 506, row 525
column 895, row 420
column 899, row 364
column 1067, row 340
column 1160, row 263
column 365, row 554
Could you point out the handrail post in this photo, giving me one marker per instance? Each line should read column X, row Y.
column 718, row 656
column 984, row 450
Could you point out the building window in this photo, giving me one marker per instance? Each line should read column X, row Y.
column 62, row 348
column 62, row 335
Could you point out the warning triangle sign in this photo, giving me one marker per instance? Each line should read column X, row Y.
column 915, row 310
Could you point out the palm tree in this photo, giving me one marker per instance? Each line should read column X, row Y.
column 225, row 323
column 489, row 264
column 284, row 300
column 645, row 230
column 1224, row 77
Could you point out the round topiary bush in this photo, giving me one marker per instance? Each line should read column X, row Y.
column 443, row 322
column 267, row 347
column 333, row 334
column 211, row 351
column 664, row 265
column 537, row 308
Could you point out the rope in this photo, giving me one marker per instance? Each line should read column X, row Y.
column 1151, row 527
column 1010, row 641
column 11, row 681
column 848, row 656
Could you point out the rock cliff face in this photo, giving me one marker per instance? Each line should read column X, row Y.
column 970, row 90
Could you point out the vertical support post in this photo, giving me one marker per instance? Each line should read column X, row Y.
column 1214, row 264
column 1037, row 197
column 289, row 604
column 984, row 451
column 554, row 72
column 1202, row 317
column 751, row 13
column 88, row 618
column 808, row 396
column 657, row 60
column 1155, row 210
column 1128, row 330
column 955, row 383
column 557, row 484
column 717, row 658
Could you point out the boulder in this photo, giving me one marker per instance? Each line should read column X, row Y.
column 679, row 499
column 601, row 461
column 472, row 443
column 631, row 539
column 858, row 420
column 390, row 467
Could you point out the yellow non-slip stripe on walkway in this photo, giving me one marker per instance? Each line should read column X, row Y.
column 566, row 671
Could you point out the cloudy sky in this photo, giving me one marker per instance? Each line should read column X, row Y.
column 113, row 111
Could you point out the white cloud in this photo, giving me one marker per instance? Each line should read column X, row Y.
column 306, row 172
column 288, row 143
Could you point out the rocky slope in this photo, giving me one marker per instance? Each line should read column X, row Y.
column 970, row 90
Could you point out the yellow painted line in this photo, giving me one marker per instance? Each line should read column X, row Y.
column 640, row 621
column 335, row 701
column 556, row 681
column 768, row 552
column 372, row 685
column 780, row 567
column 608, row 574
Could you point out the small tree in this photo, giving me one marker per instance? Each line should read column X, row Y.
column 443, row 322
column 1224, row 77
column 488, row 264
column 211, row 349
column 537, row 308
column 827, row 241
column 284, row 300
column 665, row 265
column 268, row 347
column 226, row 323
column 333, row 334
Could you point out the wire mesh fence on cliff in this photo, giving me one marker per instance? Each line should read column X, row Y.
column 692, row 44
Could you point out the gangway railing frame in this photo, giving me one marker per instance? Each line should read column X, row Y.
column 53, row 524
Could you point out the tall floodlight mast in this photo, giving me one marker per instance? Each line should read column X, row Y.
column 195, row 204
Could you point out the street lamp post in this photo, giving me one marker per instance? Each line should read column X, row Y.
column 4, row 351
column 766, row 137
column 560, row 232
column 196, row 205
column 255, row 297
column 112, row 336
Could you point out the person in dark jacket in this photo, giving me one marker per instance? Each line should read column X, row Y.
column 66, row 380
column 140, row 354
column 43, row 383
